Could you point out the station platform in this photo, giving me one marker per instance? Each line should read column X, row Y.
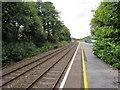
column 99, row 74
column 74, row 78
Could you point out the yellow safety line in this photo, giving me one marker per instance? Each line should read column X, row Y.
column 84, row 70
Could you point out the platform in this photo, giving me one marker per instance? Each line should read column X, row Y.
column 99, row 74
column 74, row 78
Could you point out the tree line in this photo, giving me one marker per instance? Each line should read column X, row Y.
column 27, row 26
column 105, row 27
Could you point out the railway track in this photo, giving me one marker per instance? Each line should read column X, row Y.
column 25, row 67
column 44, row 72
column 35, row 59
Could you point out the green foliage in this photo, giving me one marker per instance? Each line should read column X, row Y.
column 17, row 51
column 49, row 46
column 55, row 30
column 21, row 23
column 14, row 52
column 106, row 29
column 29, row 28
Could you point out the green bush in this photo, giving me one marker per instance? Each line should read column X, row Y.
column 108, row 52
column 117, row 65
column 16, row 51
column 106, row 30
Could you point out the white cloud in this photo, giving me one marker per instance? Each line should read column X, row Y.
column 76, row 15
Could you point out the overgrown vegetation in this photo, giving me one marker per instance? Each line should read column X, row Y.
column 106, row 29
column 29, row 28
column 14, row 52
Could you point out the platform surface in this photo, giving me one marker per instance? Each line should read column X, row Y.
column 74, row 79
column 100, row 75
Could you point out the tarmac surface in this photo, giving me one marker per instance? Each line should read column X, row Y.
column 74, row 79
column 100, row 75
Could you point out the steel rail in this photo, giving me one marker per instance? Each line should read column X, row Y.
column 3, row 74
column 33, row 82
column 65, row 67
column 32, row 68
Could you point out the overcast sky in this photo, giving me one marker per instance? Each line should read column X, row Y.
column 76, row 15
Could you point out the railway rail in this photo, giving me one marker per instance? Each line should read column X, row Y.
column 24, row 63
column 43, row 72
column 25, row 67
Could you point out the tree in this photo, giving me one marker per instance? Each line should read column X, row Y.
column 105, row 26
column 21, row 22
column 28, row 26
column 54, row 28
column 49, row 16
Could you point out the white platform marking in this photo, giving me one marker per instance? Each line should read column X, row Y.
column 68, row 71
